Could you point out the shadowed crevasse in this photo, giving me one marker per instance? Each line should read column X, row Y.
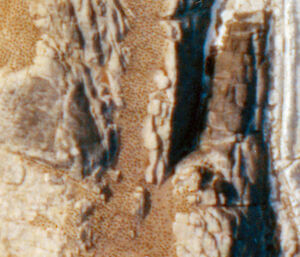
column 191, row 94
column 256, row 233
column 88, row 138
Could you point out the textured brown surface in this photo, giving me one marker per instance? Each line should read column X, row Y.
column 148, row 128
column 18, row 35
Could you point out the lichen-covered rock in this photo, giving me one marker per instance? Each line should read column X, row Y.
column 149, row 128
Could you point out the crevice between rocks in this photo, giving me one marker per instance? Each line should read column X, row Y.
column 192, row 92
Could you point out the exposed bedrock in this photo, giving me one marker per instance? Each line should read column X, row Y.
column 134, row 128
column 228, row 175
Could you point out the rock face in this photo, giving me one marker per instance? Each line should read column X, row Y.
column 149, row 128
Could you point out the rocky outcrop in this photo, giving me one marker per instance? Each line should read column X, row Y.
column 149, row 128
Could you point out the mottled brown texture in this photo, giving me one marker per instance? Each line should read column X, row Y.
column 18, row 35
column 145, row 128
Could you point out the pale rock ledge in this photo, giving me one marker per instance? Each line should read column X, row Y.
column 154, row 128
